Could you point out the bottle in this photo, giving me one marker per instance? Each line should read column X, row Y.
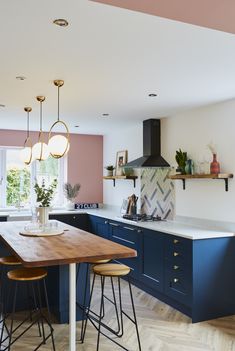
column 215, row 166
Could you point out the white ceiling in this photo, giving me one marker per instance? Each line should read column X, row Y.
column 110, row 59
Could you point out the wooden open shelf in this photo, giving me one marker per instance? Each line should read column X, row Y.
column 113, row 178
column 184, row 177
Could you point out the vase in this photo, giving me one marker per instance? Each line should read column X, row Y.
column 215, row 166
column 70, row 206
column 109, row 173
column 43, row 214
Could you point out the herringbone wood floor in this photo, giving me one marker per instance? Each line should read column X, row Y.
column 161, row 328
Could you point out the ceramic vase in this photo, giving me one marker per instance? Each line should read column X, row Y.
column 109, row 173
column 70, row 206
column 43, row 214
column 215, row 166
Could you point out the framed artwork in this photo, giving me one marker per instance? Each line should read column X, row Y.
column 121, row 160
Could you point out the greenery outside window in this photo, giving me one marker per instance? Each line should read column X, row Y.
column 17, row 179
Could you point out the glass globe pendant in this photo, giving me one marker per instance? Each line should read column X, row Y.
column 40, row 149
column 58, row 144
column 26, row 153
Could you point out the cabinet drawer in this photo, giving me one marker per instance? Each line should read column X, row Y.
column 178, row 250
column 178, row 285
column 125, row 235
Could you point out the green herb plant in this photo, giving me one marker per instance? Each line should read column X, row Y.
column 110, row 168
column 45, row 195
column 181, row 159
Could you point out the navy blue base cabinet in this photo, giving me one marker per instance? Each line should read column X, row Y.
column 76, row 220
column 194, row 276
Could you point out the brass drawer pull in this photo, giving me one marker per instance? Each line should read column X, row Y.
column 176, row 267
column 175, row 280
column 176, row 254
column 176, row 241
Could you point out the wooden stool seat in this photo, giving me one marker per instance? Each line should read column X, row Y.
column 99, row 261
column 27, row 274
column 111, row 270
column 10, row 261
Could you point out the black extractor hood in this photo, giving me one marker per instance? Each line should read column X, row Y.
column 151, row 147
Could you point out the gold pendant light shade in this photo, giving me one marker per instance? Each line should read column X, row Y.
column 59, row 144
column 26, row 154
column 40, row 149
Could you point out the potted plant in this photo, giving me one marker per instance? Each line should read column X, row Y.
column 110, row 170
column 71, row 193
column 181, row 159
column 44, row 197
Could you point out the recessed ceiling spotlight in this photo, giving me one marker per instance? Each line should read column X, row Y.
column 20, row 78
column 61, row 22
column 76, row 126
column 152, row 95
column 105, row 114
column 2, row 105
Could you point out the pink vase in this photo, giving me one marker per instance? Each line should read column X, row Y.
column 215, row 166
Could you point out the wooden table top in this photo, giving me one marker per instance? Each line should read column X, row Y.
column 75, row 245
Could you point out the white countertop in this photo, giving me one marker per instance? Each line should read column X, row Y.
column 191, row 231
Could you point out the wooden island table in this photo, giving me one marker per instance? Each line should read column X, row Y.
column 74, row 246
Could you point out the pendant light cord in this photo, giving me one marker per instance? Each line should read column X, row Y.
column 58, row 101
column 40, row 116
column 27, row 124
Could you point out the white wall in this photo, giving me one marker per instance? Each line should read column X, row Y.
column 122, row 138
column 192, row 131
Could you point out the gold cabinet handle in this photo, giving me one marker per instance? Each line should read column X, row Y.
column 175, row 241
column 176, row 254
column 176, row 267
column 175, row 280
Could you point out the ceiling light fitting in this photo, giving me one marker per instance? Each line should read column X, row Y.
column 20, row 78
column 61, row 22
column 2, row 105
column 152, row 95
column 26, row 152
column 40, row 149
column 58, row 144
column 105, row 114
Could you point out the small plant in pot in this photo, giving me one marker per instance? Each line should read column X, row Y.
column 44, row 198
column 71, row 192
column 110, row 170
column 181, row 159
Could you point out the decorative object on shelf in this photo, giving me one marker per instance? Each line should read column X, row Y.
column 128, row 171
column 121, row 160
column 214, row 166
column 44, row 197
column 40, row 149
column 109, row 170
column 59, row 144
column 189, row 166
column 71, row 193
column 181, row 159
column 26, row 152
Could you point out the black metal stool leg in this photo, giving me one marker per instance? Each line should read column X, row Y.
column 36, row 307
column 40, row 310
column 12, row 317
column 88, row 307
column 121, row 310
column 101, row 309
column 83, row 307
column 134, row 314
column 115, row 306
column 49, row 314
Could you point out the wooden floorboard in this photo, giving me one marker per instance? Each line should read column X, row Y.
column 162, row 328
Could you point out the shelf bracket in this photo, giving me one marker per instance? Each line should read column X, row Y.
column 183, row 180
column 114, row 183
column 226, row 184
column 134, row 182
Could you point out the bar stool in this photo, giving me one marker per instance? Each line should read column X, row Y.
column 5, row 263
column 118, row 271
column 84, row 305
column 32, row 277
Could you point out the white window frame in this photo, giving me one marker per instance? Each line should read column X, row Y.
column 63, row 165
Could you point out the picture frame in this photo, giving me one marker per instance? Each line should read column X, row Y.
column 121, row 160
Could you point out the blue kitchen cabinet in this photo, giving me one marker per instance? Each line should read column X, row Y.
column 3, row 218
column 152, row 259
column 127, row 235
column 78, row 220
column 99, row 226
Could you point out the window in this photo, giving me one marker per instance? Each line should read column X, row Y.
column 17, row 179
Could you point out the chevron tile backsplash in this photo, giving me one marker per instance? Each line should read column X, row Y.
column 157, row 193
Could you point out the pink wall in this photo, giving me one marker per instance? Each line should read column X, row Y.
column 85, row 161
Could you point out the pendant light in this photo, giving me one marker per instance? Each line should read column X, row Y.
column 40, row 149
column 58, row 144
column 26, row 152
